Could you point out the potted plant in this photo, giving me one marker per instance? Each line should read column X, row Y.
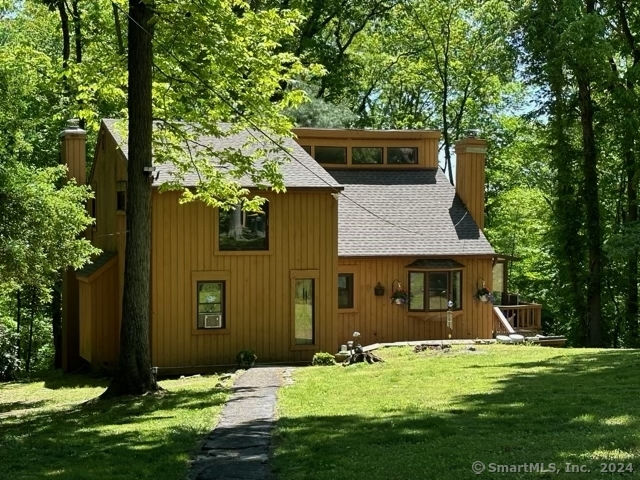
column 484, row 295
column 246, row 358
column 399, row 297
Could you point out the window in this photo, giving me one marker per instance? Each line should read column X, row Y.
column 211, row 305
column 332, row 155
column 240, row 230
column 345, row 290
column 399, row 155
column 304, row 314
column 306, row 148
column 432, row 291
column 366, row 155
column 121, row 196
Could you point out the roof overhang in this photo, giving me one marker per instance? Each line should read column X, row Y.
column 346, row 134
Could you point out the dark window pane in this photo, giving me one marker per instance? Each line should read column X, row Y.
column 438, row 290
column 366, row 155
column 416, row 291
column 307, row 148
column 240, row 230
column 398, row 155
column 304, row 311
column 335, row 155
column 345, row 290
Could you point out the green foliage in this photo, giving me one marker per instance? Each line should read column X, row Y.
column 9, row 361
column 40, row 225
column 323, row 359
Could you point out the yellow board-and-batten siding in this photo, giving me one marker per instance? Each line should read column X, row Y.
column 100, row 297
column 426, row 141
column 378, row 320
column 302, row 237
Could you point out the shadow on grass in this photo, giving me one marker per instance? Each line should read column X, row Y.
column 111, row 439
column 577, row 409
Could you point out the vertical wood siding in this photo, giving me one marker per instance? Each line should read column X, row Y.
column 99, row 320
column 378, row 320
column 303, row 236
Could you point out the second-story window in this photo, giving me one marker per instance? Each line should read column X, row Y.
column 240, row 230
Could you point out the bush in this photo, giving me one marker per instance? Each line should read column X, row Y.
column 9, row 361
column 323, row 359
column 246, row 358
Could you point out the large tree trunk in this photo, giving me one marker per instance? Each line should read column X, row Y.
column 632, row 262
column 592, row 210
column 568, row 213
column 133, row 375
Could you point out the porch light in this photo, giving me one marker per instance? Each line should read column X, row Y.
column 378, row 290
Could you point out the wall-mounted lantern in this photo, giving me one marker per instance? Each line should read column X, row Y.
column 378, row 290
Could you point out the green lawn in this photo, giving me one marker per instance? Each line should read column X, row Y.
column 431, row 415
column 45, row 431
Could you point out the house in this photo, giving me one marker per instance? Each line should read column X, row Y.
column 366, row 214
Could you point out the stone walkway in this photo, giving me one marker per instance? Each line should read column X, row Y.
column 238, row 448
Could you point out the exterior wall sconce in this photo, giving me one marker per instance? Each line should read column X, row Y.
column 378, row 290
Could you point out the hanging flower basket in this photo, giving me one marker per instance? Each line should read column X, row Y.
column 399, row 296
column 484, row 295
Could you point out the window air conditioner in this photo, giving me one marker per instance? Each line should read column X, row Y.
column 213, row 321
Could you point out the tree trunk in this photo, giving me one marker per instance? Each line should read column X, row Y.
column 18, row 321
column 77, row 31
column 567, row 212
column 592, row 210
column 56, row 320
column 66, row 39
column 632, row 262
column 33, row 314
column 134, row 375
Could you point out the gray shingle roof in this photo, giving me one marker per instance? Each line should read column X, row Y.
column 413, row 213
column 303, row 172
column 96, row 264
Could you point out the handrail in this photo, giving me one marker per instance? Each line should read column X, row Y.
column 525, row 315
column 502, row 320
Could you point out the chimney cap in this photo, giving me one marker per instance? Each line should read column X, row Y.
column 73, row 128
column 473, row 133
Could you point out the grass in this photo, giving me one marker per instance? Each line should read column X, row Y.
column 431, row 415
column 46, row 431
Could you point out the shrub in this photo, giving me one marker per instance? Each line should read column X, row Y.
column 9, row 361
column 323, row 359
column 246, row 358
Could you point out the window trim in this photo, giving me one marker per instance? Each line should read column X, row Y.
column 212, row 276
column 425, row 273
column 299, row 275
column 216, row 240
